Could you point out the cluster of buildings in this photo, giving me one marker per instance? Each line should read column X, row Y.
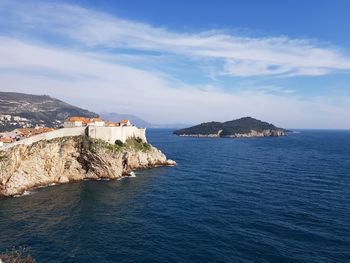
column 10, row 120
column 21, row 133
column 5, row 117
column 82, row 121
column 106, row 130
column 76, row 126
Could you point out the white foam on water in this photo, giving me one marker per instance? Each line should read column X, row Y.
column 25, row 193
column 131, row 175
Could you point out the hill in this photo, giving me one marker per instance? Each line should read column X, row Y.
column 116, row 117
column 139, row 122
column 243, row 127
column 26, row 110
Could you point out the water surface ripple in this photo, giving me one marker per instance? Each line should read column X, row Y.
column 246, row 200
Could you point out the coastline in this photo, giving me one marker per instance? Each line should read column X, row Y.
column 251, row 134
column 71, row 159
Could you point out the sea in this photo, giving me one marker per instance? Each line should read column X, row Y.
column 284, row 199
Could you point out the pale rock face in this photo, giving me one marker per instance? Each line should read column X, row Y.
column 264, row 133
column 63, row 179
column 69, row 159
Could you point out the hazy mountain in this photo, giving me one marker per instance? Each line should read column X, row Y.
column 31, row 110
column 137, row 121
column 171, row 125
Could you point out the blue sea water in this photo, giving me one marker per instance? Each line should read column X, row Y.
column 277, row 200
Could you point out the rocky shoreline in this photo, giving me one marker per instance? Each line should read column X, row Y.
column 246, row 127
column 70, row 159
column 251, row 134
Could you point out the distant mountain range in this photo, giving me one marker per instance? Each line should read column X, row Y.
column 19, row 110
column 111, row 116
column 138, row 121
column 26, row 110
column 243, row 127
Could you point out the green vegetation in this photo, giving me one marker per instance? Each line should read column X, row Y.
column 243, row 125
column 131, row 143
column 204, row 128
column 138, row 144
column 119, row 143
column 3, row 156
column 87, row 143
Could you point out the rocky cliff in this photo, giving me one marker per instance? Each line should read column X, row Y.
column 263, row 133
column 67, row 159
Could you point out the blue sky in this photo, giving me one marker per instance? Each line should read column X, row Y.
column 286, row 62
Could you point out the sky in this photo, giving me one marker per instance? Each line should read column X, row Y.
column 285, row 62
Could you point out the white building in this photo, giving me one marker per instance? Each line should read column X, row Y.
column 75, row 122
column 17, row 118
column 124, row 123
column 111, row 134
column 82, row 121
column 107, row 131
column 96, row 122
column 5, row 117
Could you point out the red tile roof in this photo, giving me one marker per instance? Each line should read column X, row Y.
column 95, row 119
column 75, row 118
column 83, row 119
column 6, row 140
column 110, row 123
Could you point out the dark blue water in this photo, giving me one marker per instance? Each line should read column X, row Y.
column 247, row 200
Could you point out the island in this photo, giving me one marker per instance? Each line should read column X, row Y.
column 243, row 127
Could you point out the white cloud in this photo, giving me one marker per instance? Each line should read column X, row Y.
column 238, row 56
column 91, row 70
column 91, row 81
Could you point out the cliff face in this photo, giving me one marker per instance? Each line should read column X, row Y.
column 264, row 133
column 67, row 159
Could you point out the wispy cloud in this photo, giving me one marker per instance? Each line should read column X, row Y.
column 88, row 58
column 237, row 55
column 92, row 82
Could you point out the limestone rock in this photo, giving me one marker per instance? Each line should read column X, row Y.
column 67, row 159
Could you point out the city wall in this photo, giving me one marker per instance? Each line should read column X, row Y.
column 64, row 132
column 108, row 134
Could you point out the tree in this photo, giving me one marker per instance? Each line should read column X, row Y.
column 119, row 143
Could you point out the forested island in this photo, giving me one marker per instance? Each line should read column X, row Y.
column 243, row 127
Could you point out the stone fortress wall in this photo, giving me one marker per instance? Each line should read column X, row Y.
column 64, row 132
column 108, row 134
column 111, row 134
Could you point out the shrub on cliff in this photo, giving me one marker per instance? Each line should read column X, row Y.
column 241, row 126
column 119, row 143
column 138, row 144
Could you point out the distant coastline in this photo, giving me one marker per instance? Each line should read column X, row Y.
column 246, row 127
